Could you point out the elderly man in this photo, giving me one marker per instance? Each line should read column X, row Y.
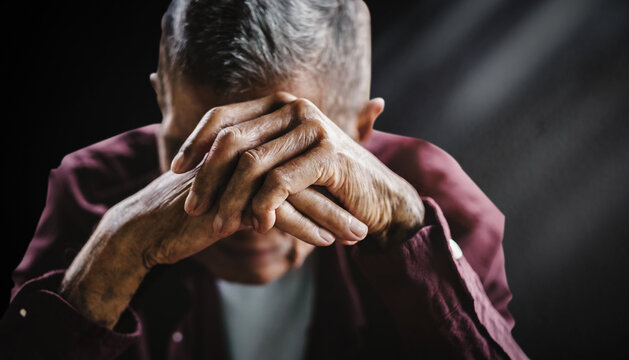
column 264, row 217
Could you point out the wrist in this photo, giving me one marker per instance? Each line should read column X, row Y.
column 104, row 276
column 406, row 218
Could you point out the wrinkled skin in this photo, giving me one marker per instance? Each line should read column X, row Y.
column 261, row 180
column 269, row 163
column 277, row 164
column 278, row 154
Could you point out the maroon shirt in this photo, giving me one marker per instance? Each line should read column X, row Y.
column 414, row 300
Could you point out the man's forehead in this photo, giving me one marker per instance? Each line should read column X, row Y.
column 205, row 97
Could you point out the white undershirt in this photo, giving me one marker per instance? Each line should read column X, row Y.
column 269, row 321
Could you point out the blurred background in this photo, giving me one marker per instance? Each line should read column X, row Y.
column 531, row 97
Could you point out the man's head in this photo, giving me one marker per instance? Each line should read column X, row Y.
column 215, row 52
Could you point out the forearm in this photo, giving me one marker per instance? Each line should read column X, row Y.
column 105, row 274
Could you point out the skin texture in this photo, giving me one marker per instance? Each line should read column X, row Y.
column 255, row 186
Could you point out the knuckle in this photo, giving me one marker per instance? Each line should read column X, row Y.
column 228, row 136
column 315, row 126
column 275, row 180
column 278, row 179
column 303, row 107
column 205, row 120
column 216, row 114
column 250, row 159
column 187, row 148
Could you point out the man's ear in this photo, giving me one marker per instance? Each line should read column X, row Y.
column 154, row 79
column 157, row 86
column 367, row 116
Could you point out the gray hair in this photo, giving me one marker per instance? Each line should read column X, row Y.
column 238, row 46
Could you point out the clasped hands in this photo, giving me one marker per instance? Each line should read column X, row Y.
column 277, row 161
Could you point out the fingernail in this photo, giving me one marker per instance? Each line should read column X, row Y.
column 256, row 224
column 218, row 224
column 326, row 236
column 358, row 228
column 192, row 202
column 177, row 163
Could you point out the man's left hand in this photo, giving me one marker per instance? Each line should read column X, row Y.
column 274, row 157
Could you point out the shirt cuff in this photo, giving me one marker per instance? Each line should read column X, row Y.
column 433, row 293
column 423, row 265
column 39, row 323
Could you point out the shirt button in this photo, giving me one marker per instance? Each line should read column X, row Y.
column 456, row 250
column 177, row 336
column 22, row 312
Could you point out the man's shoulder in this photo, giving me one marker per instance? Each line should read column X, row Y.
column 124, row 146
column 436, row 174
column 114, row 166
column 419, row 161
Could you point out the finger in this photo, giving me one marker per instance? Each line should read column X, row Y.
column 314, row 167
column 293, row 222
column 200, row 140
column 199, row 232
column 256, row 162
column 349, row 242
column 221, row 160
column 328, row 215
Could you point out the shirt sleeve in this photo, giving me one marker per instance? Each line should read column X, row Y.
column 40, row 324
column 437, row 301
column 65, row 225
column 474, row 221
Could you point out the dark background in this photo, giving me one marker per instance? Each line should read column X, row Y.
column 531, row 97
